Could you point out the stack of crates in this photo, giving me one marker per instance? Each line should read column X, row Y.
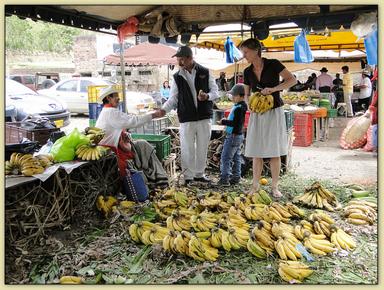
column 303, row 129
column 156, row 126
column 94, row 107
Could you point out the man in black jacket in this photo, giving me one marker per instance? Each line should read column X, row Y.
column 192, row 91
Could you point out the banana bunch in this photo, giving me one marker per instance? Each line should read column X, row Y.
column 105, row 204
column 181, row 198
column 94, row 134
column 169, row 242
column 261, row 196
column 204, row 221
column 254, row 248
column 341, row 239
column 241, row 202
column 283, row 211
column 201, row 250
column 300, row 231
column 317, row 196
column 178, row 222
column 294, row 271
column 259, row 103
column 157, row 232
column 209, row 201
column 295, row 211
column 321, row 223
column 254, row 211
column 360, row 212
column 238, row 237
column 24, row 163
column 317, row 244
column 71, row 280
column 164, row 211
column 307, row 225
column 286, row 248
column 271, row 213
column 89, row 152
column 235, row 220
column 215, row 238
column 279, row 229
column 154, row 235
column 224, row 206
column 45, row 160
column 263, row 237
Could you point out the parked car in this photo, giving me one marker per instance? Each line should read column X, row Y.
column 21, row 102
column 26, row 80
column 74, row 92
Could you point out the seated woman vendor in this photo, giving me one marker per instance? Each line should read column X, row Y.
column 139, row 154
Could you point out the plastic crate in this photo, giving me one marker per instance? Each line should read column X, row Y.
column 289, row 116
column 94, row 92
column 320, row 113
column 15, row 133
column 303, row 128
column 315, row 102
column 156, row 126
column 162, row 143
column 94, row 110
column 332, row 113
column 92, row 122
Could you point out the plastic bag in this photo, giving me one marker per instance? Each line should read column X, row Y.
column 370, row 43
column 64, row 148
column 302, row 51
column 364, row 24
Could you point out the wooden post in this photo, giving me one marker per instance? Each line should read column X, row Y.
column 122, row 68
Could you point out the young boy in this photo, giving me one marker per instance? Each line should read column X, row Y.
column 230, row 164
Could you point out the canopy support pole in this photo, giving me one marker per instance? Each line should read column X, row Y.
column 122, row 68
column 102, row 71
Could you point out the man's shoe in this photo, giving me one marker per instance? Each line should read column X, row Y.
column 234, row 181
column 202, row 179
column 223, row 183
column 187, row 181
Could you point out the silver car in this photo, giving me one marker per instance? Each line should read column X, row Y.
column 74, row 92
column 22, row 102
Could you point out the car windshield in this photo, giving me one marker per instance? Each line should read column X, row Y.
column 15, row 88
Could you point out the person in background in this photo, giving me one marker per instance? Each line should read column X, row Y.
column 266, row 132
column 365, row 90
column 347, row 90
column 338, row 89
column 222, row 82
column 311, row 82
column 164, row 92
column 324, row 81
column 298, row 87
column 230, row 164
column 192, row 93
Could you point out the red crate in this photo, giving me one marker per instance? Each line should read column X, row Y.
column 302, row 126
column 247, row 114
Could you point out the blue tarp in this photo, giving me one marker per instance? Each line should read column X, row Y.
column 370, row 43
column 302, row 51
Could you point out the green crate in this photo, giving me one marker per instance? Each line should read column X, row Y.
column 162, row 143
column 315, row 102
column 332, row 113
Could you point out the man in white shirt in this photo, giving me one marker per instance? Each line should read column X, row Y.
column 192, row 91
column 324, row 81
column 365, row 90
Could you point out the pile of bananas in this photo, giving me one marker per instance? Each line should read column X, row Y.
column 94, row 134
column 341, row 239
column 321, row 223
column 360, row 212
column 317, row 196
column 90, row 152
column 318, row 244
column 26, row 164
column 259, row 103
column 105, row 204
column 294, row 271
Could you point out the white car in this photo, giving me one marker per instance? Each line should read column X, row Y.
column 74, row 92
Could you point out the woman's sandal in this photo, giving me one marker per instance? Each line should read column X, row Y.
column 276, row 193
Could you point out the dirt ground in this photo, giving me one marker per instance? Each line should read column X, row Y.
column 325, row 160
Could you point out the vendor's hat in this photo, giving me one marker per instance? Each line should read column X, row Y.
column 183, row 51
column 366, row 72
column 106, row 92
column 237, row 89
column 324, row 69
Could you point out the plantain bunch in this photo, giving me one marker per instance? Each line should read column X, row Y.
column 261, row 196
column 259, row 103
column 25, row 164
column 90, row 152
column 94, row 134
column 360, row 212
column 294, row 271
column 318, row 196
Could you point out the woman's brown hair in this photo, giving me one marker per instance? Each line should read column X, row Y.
column 252, row 43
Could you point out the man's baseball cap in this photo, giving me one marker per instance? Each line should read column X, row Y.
column 183, row 51
column 237, row 89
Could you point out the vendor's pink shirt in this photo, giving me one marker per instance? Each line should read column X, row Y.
column 324, row 80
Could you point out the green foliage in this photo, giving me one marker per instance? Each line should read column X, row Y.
column 28, row 35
